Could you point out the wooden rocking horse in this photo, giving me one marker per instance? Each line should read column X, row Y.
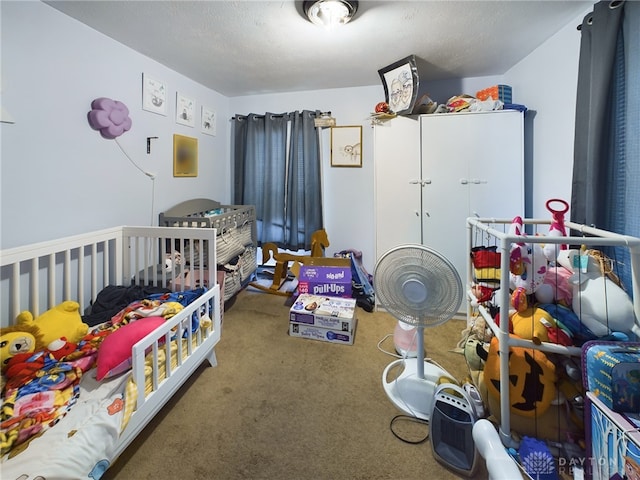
column 319, row 241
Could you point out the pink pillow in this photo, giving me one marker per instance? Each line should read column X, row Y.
column 114, row 354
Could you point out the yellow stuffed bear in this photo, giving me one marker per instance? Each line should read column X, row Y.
column 532, row 323
column 63, row 320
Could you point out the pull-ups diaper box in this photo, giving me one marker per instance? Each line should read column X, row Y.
column 325, row 312
column 324, row 318
column 323, row 334
column 611, row 372
column 321, row 280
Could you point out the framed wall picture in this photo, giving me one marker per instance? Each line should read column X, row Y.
column 346, row 146
column 154, row 95
column 185, row 110
column 400, row 81
column 185, row 156
column 208, row 121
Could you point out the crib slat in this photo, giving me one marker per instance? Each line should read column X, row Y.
column 66, row 275
column 15, row 292
column 34, row 287
column 52, row 280
column 105, row 268
column 79, row 296
column 93, row 280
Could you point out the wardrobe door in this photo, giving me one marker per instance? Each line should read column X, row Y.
column 472, row 164
column 445, row 153
column 496, row 170
column 397, row 183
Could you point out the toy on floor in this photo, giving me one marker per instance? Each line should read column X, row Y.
column 319, row 241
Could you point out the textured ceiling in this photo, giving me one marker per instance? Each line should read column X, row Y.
column 257, row 47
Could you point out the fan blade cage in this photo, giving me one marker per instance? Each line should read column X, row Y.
column 418, row 286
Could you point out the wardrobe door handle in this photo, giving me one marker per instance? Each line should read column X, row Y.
column 464, row 181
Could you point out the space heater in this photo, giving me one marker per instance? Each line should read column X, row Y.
column 451, row 429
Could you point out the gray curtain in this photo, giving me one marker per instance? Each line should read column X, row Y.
column 304, row 197
column 593, row 143
column 277, row 166
column 606, row 172
column 624, row 217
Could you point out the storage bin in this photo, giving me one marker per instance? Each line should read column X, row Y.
column 611, row 372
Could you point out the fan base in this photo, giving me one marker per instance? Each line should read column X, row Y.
column 411, row 393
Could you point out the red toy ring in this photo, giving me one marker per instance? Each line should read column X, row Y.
column 555, row 212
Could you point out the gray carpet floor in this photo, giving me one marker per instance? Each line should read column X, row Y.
column 279, row 407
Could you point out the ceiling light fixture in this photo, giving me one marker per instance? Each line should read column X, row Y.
column 330, row 13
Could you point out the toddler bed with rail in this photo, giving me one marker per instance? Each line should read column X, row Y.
column 71, row 406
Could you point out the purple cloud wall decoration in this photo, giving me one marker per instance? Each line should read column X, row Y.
column 109, row 117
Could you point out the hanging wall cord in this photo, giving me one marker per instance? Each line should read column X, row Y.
column 153, row 197
column 148, row 174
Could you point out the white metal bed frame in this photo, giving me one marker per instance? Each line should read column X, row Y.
column 595, row 238
column 39, row 276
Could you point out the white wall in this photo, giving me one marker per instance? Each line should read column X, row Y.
column 60, row 177
column 546, row 82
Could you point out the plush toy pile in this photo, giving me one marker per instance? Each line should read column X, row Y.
column 557, row 295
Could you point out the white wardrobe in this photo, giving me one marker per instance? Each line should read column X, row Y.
column 434, row 171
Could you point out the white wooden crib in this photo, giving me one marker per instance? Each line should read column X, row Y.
column 37, row 277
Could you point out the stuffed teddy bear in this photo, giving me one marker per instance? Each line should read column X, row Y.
column 538, row 325
column 63, row 320
column 19, row 339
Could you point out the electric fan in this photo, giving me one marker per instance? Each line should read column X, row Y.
column 420, row 287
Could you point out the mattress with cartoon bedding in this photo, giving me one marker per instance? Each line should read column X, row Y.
column 66, row 402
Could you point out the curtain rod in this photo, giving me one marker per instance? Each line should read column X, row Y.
column 277, row 115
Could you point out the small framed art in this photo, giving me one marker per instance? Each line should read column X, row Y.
column 346, row 146
column 400, row 81
column 154, row 95
column 185, row 156
column 208, row 121
column 185, row 110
